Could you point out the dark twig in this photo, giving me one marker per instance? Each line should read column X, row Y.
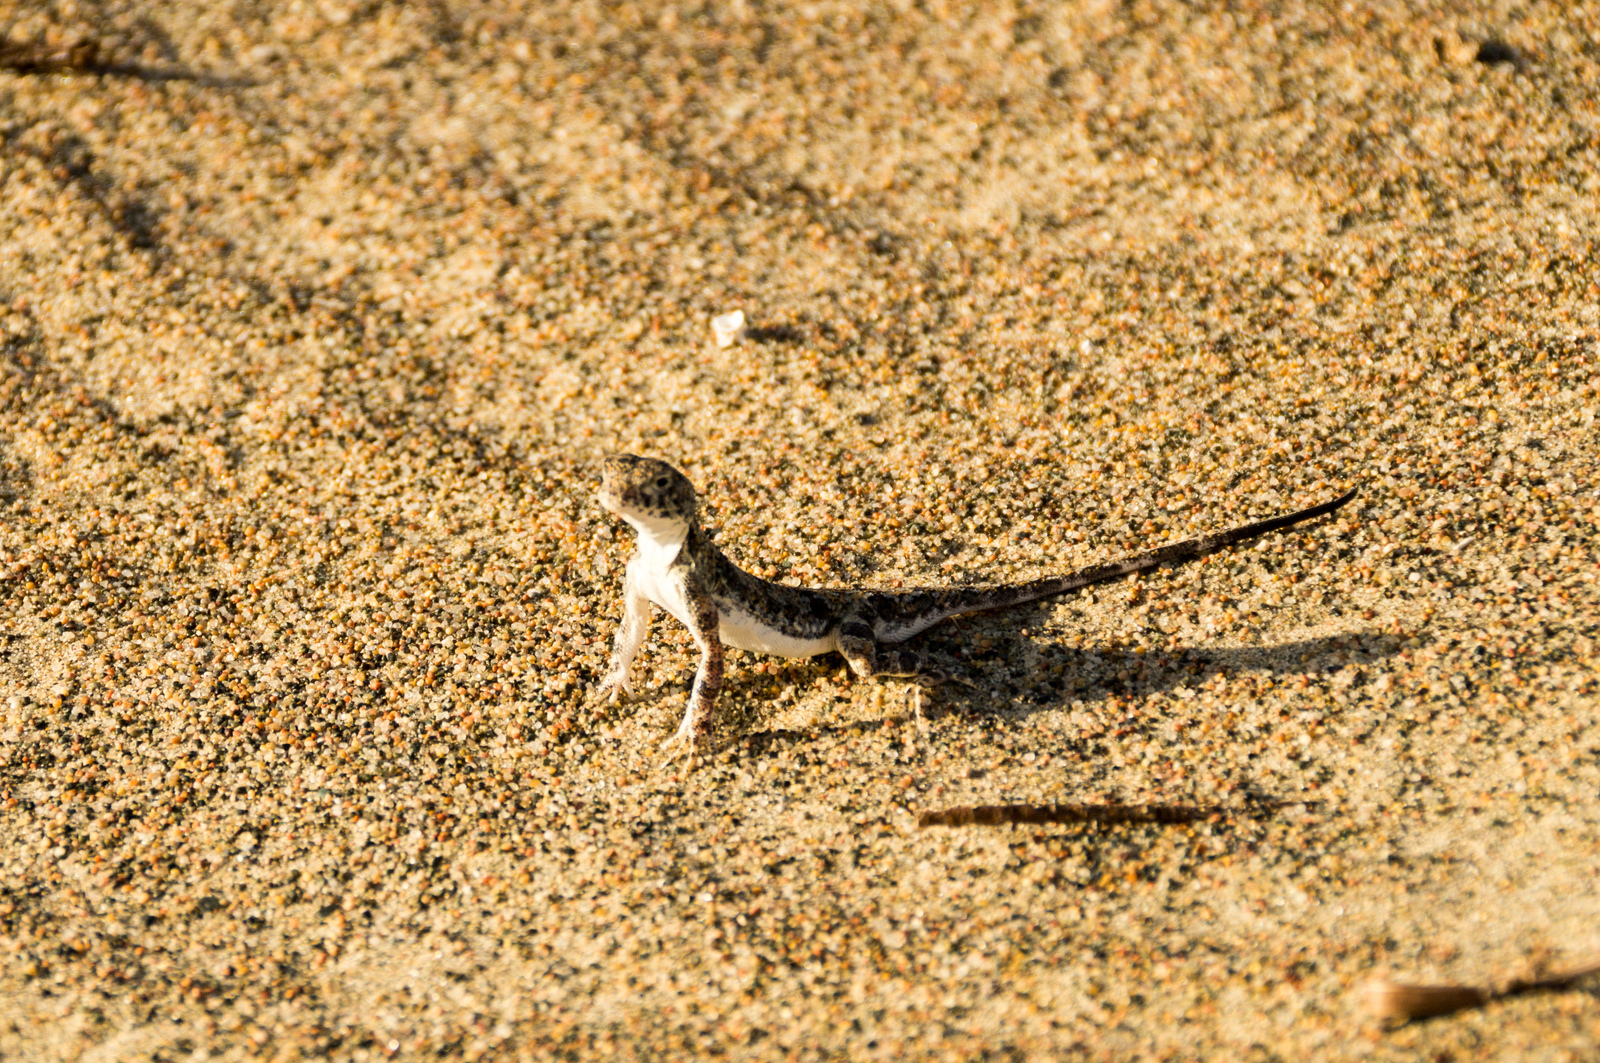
column 1015, row 815
column 1389, row 1000
column 79, row 58
column 84, row 57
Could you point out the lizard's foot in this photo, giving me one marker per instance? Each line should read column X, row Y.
column 683, row 737
column 611, row 689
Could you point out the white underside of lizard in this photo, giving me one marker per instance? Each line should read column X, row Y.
column 650, row 571
column 745, row 632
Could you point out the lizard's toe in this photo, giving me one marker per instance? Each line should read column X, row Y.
column 680, row 744
column 610, row 691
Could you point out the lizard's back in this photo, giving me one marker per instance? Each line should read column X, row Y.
column 763, row 616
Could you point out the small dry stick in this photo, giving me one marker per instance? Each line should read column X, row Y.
column 82, row 57
column 86, row 57
column 1387, row 1000
column 1012, row 815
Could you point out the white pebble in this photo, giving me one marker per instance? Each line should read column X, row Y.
column 728, row 328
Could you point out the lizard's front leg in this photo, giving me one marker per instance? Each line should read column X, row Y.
column 630, row 636
column 704, row 625
column 868, row 657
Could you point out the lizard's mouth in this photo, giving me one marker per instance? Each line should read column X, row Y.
column 610, row 502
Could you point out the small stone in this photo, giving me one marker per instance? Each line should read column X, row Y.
column 728, row 328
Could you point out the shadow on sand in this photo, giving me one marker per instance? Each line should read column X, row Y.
column 1087, row 675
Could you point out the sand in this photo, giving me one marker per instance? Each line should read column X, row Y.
column 317, row 317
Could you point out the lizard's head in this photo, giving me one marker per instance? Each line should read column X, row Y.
column 650, row 495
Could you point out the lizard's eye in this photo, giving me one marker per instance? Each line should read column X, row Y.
column 661, row 481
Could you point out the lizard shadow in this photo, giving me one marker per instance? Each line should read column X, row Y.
column 1081, row 675
column 1091, row 675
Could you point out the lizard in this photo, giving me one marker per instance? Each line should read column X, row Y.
column 677, row 568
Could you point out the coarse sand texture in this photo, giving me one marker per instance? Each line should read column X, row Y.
column 317, row 318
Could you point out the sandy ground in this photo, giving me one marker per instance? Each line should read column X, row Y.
column 315, row 317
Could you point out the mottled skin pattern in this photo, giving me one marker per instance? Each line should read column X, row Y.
column 679, row 569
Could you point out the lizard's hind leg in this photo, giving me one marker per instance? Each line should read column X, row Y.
column 868, row 657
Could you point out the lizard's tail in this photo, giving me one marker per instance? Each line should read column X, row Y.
column 960, row 600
